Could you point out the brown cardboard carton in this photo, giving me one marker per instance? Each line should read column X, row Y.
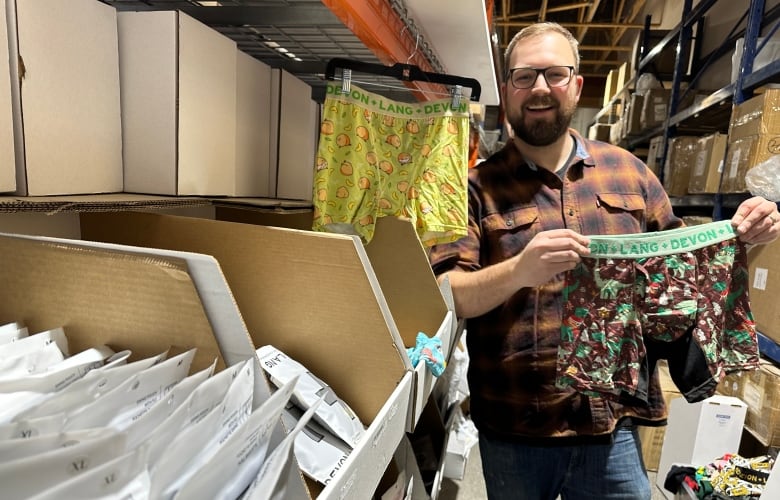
column 756, row 116
column 764, row 264
column 66, row 102
column 179, row 89
column 7, row 157
column 320, row 299
column 295, row 128
column 140, row 299
column 632, row 124
column 761, row 393
column 599, row 132
column 655, row 107
column 710, row 156
column 742, row 155
column 654, row 152
column 679, row 164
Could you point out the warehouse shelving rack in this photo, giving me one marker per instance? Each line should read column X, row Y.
column 713, row 112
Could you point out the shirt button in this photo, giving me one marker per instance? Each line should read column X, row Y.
column 571, row 212
column 510, row 223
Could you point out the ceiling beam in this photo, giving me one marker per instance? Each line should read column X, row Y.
column 636, row 9
column 523, row 24
column 600, row 61
column 607, row 48
column 549, row 10
column 543, row 11
column 591, row 13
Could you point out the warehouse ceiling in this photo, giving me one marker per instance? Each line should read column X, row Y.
column 301, row 36
column 606, row 29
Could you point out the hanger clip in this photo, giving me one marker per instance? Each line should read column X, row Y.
column 346, row 80
column 456, row 95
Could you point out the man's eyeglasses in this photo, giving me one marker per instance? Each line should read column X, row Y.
column 555, row 76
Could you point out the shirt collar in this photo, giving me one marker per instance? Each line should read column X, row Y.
column 580, row 153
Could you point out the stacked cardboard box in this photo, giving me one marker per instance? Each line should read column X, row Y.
column 632, row 119
column 761, row 393
column 754, row 135
column 764, row 264
column 65, row 97
column 655, row 107
column 706, row 173
column 679, row 164
column 7, row 155
column 654, row 154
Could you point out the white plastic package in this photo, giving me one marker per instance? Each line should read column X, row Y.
column 271, row 481
column 242, row 454
column 764, row 179
column 334, row 414
column 14, row 403
column 200, row 403
column 30, row 362
column 11, row 332
column 16, row 449
column 125, row 478
column 139, row 428
column 35, row 342
column 319, row 453
column 59, row 375
column 48, row 424
column 196, row 444
column 133, row 397
column 88, row 388
column 26, row 477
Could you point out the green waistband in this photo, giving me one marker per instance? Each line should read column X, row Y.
column 632, row 246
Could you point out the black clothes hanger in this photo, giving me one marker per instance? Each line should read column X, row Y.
column 403, row 72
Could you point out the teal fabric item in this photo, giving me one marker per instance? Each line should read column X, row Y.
column 429, row 350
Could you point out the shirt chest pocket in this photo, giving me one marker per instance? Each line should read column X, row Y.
column 621, row 213
column 509, row 232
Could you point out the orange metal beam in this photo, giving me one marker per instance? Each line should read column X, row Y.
column 383, row 32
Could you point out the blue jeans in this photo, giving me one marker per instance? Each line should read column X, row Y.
column 583, row 472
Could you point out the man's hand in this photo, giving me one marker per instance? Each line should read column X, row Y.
column 550, row 253
column 757, row 221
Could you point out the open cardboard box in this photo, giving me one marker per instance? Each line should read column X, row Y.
column 140, row 299
column 316, row 297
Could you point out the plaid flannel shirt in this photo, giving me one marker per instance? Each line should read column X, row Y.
column 513, row 348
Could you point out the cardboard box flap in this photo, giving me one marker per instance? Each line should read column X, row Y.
column 344, row 335
column 405, row 275
column 103, row 296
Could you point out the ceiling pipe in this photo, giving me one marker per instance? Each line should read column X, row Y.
column 382, row 31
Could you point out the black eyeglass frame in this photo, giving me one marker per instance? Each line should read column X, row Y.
column 543, row 72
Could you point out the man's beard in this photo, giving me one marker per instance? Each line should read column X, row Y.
column 542, row 132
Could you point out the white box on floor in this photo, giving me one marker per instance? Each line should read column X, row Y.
column 65, row 88
column 178, row 80
column 699, row 433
